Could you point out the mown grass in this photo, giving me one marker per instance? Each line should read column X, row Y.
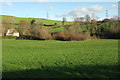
column 59, row 59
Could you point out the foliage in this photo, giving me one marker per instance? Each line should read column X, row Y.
column 107, row 28
column 33, row 21
column 25, row 37
column 9, row 37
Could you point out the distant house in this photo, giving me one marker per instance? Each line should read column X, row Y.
column 12, row 32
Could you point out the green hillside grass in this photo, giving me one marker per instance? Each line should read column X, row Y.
column 57, row 29
column 44, row 21
column 60, row 59
column 52, row 22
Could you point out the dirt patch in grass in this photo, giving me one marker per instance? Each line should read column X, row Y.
column 7, row 39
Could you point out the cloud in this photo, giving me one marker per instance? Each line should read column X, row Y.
column 82, row 11
column 2, row 0
column 8, row 3
column 114, row 6
column 50, row 8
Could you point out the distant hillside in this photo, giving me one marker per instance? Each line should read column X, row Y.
column 38, row 20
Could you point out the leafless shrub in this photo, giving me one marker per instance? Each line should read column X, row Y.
column 87, row 18
column 64, row 19
column 40, row 32
column 72, row 34
column 35, row 32
column 59, row 36
column 44, row 34
column 24, row 27
column 86, row 35
column 6, row 24
column 55, row 36
column 4, row 31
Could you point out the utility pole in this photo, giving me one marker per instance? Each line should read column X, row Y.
column 107, row 14
column 119, row 10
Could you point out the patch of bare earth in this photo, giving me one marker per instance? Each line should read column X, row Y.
column 7, row 39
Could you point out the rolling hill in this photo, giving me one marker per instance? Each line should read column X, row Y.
column 38, row 20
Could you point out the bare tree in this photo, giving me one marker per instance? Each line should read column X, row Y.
column 24, row 27
column 76, row 22
column 78, row 19
column 44, row 34
column 64, row 19
column 7, row 23
column 87, row 18
column 81, row 18
column 40, row 32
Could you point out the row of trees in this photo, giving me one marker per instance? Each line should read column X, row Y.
column 35, row 30
column 78, row 31
column 86, row 19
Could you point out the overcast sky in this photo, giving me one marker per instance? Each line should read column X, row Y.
column 57, row 10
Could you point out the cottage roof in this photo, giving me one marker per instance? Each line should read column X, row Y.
column 11, row 31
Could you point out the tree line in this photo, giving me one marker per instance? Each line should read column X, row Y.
column 83, row 28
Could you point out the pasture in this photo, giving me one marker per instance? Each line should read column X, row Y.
column 38, row 20
column 60, row 59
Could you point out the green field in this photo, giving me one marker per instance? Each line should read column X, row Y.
column 13, row 19
column 38, row 20
column 60, row 59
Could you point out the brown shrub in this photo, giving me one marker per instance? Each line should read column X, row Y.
column 35, row 32
column 86, row 36
column 72, row 34
column 50, row 37
column 54, row 36
column 24, row 26
column 44, row 34
column 40, row 33
column 4, row 31
column 61, row 35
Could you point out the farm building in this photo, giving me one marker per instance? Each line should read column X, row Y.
column 12, row 32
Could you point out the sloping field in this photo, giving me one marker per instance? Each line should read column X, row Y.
column 38, row 20
column 60, row 59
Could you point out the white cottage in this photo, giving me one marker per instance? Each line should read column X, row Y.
column 12, row 32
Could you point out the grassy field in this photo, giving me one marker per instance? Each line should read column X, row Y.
column 57, row 29
column 60, row 59
column 38, row 20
